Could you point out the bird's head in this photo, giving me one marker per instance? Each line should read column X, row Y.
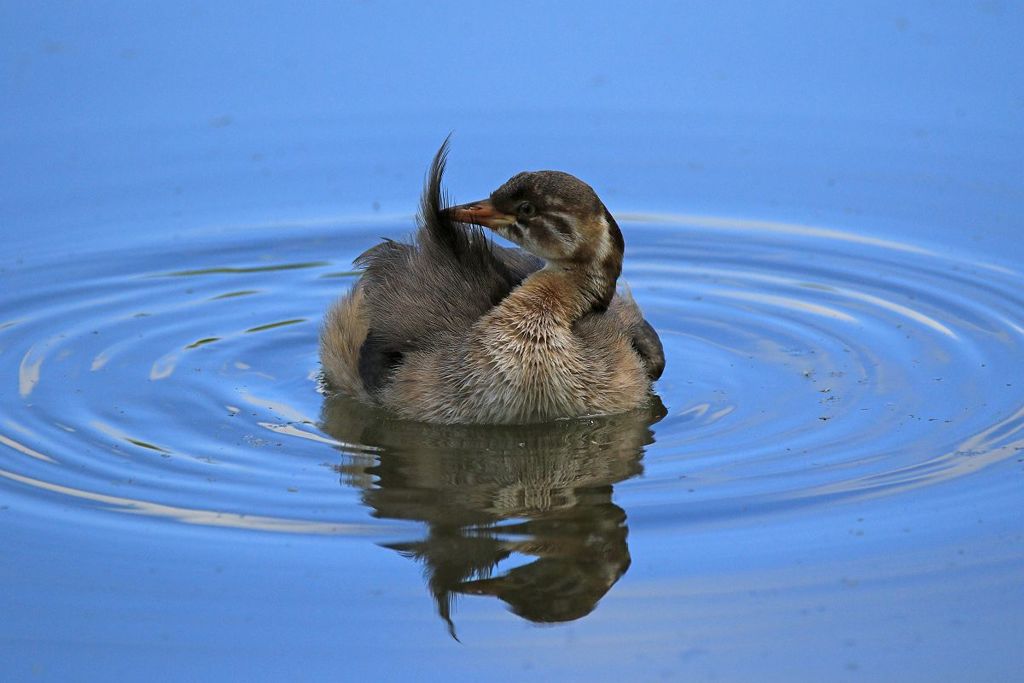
column 553, row 215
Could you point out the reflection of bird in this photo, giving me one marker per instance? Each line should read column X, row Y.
column 580, row 557
column 453, row 329
column 487, row 493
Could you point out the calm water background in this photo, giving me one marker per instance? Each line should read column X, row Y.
column 822, row 207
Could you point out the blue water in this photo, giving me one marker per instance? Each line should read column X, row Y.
column 822, row 208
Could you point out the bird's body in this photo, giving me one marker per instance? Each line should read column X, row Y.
column 453, row 329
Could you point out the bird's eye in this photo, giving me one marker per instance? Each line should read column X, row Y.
column 526, row 209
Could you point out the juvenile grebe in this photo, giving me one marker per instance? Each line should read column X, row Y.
column 454, row 329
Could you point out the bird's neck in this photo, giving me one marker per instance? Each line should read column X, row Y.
column 561, row 295
column 564, row 291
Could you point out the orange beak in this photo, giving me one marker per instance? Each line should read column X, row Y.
column 480, row 213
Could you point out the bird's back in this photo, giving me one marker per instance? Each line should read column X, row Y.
column 422, row 294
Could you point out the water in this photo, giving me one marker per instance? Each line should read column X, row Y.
column 828, row 488
column 815, row 374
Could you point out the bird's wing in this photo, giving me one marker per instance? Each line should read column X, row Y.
column 422, row 293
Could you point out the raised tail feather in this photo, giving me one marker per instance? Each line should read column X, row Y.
column 467, row 244
column 423, row 293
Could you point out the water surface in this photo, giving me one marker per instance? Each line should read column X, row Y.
column 821, row 384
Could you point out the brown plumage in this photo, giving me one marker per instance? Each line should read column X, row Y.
column 454, row 329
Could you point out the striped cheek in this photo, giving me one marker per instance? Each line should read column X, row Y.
column 561, row 223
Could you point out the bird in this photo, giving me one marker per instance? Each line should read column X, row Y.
column 452, row 328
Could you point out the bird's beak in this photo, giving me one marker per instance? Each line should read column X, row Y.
column 481, row 213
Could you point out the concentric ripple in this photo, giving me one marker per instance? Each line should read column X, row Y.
column 818, row 365
column 805, row 366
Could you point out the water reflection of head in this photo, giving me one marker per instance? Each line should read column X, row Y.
column 487, row 493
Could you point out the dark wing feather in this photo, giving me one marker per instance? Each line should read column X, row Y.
column 648, row 345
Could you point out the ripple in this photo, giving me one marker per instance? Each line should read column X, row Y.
column 806, row 366
column 849, row 373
